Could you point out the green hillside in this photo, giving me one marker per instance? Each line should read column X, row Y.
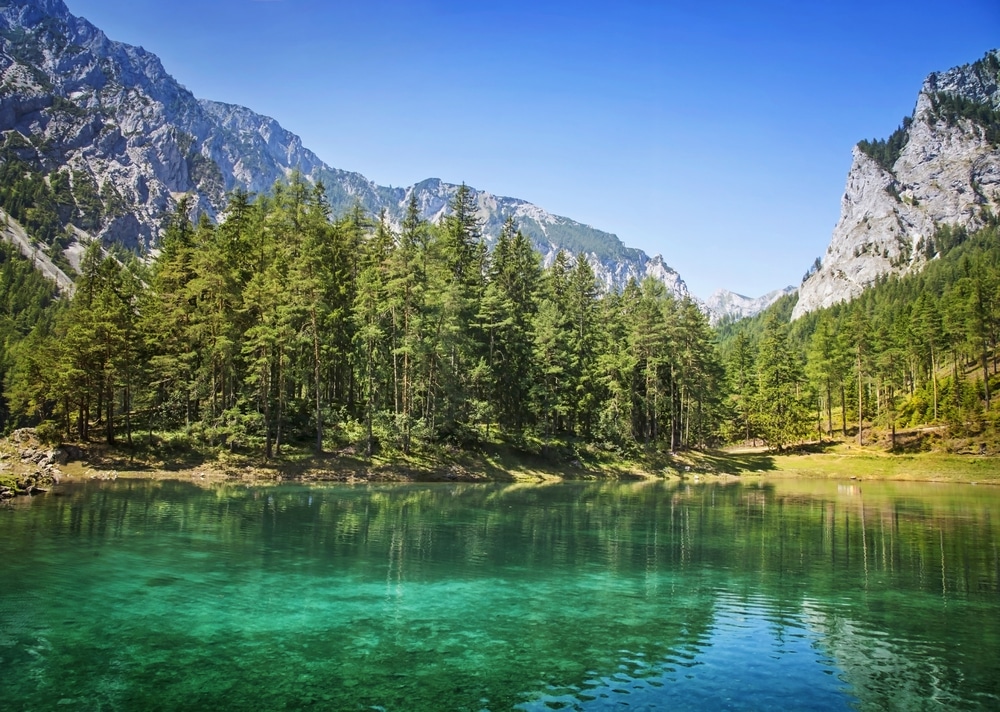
column 916, row 350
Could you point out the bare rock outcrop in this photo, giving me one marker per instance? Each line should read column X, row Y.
column 946, row 173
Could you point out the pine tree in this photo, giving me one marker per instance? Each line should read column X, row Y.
column 650, row 352
column 700, row 375
column 406, row 282
column 859, row 336
column 782, row 417
column 311, row 296
column 929, row 332
column 373, row 319
column 515, row 274
column 890, row 369
column 823, row 366
column 551, row 349
column 615, row 368
column 743, row 385
column 581, row 306
column 168, row 316
column 457, row 342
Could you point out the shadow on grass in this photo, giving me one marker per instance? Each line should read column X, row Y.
column 912, row 442
column 813, row 448
column 499, row 462
column 729, row 463
column 737, row 463
column 145, row 457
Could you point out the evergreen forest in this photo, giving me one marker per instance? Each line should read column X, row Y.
column 285, row 326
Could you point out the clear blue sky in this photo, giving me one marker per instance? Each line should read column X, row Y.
column 718, row 134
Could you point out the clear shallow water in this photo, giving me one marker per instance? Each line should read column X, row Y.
column 793, row 595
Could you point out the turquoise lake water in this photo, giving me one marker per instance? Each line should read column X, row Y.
column 146, row 595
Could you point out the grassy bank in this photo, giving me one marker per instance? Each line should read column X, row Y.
column 842, row 461
column 504, row 462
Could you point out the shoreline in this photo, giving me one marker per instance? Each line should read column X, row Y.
column 26, row 468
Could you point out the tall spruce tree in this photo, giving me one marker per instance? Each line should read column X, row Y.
column 782, row 416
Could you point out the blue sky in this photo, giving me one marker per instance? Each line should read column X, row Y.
column 717, row 134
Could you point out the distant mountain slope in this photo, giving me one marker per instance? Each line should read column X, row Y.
column 110, row 116
column 724, row 304
column 940, row 168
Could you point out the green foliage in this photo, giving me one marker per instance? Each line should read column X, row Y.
column 813, row 269
column 728, row 330
column 26, row 195
column 88, row 200
column 45, row 203
column 951, row 108
column 284, row 325
column 27, row 305
column 885, row 152
column 62, row 105
column 779, row 410
column 946, row 238
column 911, row 350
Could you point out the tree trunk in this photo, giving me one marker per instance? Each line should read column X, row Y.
column 110, row 426
column 893, row 434
column 985, row 358
column 266, row 394
column 861, row 410
column 316, row 379
column 279, row 415
column 819, row 418
column 829, row 409
column 370, row 400
column 127, row 407
column 407, row 402
column 843, row 409
column 673, row 418
column 934, row 382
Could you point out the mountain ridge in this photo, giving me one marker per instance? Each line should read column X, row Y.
column 724, row 303
column 109, row 113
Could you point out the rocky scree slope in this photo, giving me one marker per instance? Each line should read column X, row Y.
column 110, row 115
column 940, row 168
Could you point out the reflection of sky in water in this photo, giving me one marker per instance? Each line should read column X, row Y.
column 750, row 658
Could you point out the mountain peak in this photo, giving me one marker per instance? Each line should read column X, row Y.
column 110, row 115
column 976, row 81
column 941, row 168
column 724, row 304
column 32, row 12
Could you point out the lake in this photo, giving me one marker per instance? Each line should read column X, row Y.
column 783, row 594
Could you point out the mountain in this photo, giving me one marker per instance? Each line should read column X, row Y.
column 939, row 171
column 106, row 121
column 724, row 304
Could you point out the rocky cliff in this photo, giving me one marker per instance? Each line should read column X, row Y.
column 725, row 304
column 940, row 168
column 108, row 114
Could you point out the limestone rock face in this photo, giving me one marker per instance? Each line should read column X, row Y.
column 947, row 173
column 725, row 304
column 109, row 112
